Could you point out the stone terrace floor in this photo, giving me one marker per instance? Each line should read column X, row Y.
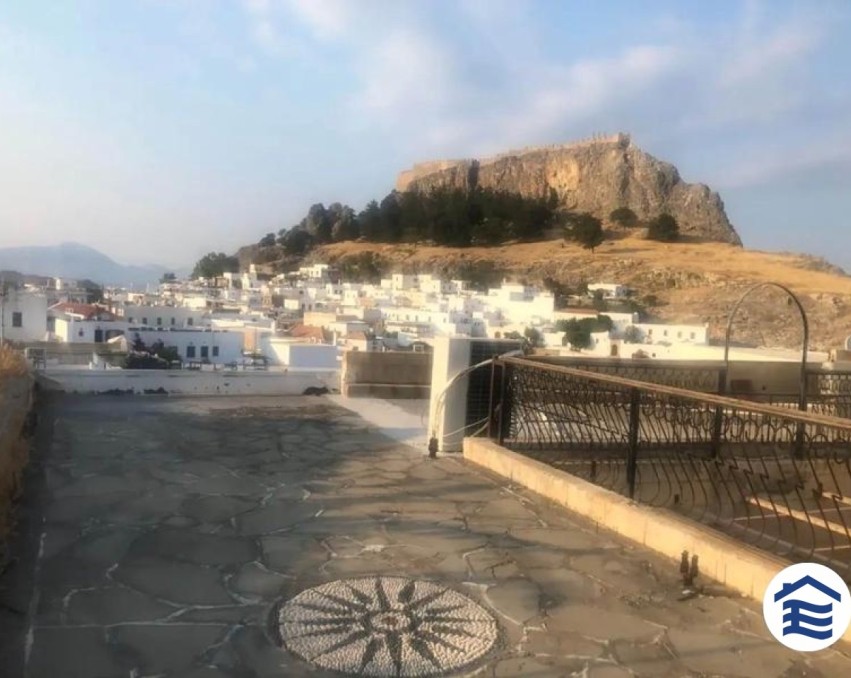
column 172, row 527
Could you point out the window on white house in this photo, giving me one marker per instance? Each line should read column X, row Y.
column 159, row 322
column 205, row 351
column 190, row 321
column 215, row 351
column 190, row 351
column 17, row 319
column 172, row 321
column 144, row 321
column 691, row 335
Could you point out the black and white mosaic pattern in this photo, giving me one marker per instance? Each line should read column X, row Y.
column 386, row 626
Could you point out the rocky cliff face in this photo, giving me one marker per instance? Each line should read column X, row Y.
column 594, row 176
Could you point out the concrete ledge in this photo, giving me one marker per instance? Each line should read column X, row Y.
column 387, row 391
column 722, row 558
column 186, row 382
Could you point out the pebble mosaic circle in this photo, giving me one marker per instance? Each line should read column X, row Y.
column 386, row 626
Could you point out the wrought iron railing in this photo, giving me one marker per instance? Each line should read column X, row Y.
column 828, row 392
column 703, row 378
column 777, row 478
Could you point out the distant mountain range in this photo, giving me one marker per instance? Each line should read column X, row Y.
column 73, row 260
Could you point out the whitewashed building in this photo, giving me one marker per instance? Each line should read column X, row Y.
column 24, row 316
column 658, row 333
column 202, row 345
column 609, row 290
column 163, row 316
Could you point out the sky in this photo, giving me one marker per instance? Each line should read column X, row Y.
column 158, row 130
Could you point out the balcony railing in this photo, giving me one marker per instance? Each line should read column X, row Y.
column 771, row 475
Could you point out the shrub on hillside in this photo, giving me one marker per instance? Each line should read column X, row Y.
column 624, row 217
column 663, row 228
column 587, row 230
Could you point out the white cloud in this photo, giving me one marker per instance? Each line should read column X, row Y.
column 490, row 86
column 326, row 18
column 404, row 73
column 765, row 55
column 795, row 160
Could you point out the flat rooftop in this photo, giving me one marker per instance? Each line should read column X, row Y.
column 268, row 536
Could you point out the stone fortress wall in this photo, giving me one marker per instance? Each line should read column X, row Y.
column 621, row 139
column 423, row 169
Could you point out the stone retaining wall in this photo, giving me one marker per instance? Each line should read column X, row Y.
column 188, row 382
column 16, row 401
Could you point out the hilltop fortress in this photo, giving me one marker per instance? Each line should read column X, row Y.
column 592, row 175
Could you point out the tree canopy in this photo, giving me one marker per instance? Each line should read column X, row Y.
column 443, row 216
column 577, row 333
column 663, row 228
column 624, row 216
column 587, row 230
column 214, row 264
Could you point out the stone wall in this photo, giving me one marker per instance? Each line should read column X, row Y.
column 16, row 401
column 187, row 382
column 389, row 374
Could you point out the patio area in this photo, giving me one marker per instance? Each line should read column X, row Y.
column 269, row 536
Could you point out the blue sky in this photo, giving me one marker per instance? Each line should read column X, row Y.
column 156, row 130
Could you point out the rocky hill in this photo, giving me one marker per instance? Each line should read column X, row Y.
column 593, row 176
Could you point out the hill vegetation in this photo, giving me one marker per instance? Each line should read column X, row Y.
column 445, row 216
column 448, row 217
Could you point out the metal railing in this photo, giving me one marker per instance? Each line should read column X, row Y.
column 828, row 391
column 777, row 478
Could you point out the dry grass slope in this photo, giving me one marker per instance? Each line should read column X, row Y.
column 693, row 281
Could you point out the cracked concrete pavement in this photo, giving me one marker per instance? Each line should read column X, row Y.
column 163, row 531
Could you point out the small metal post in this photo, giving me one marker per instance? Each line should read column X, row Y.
column 492, row 403
column 632, row 455
column 718, row 420
column 504, row 404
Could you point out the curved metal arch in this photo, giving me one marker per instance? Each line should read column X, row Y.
column 802, row 395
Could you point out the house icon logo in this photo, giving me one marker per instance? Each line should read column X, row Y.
column 807, row 607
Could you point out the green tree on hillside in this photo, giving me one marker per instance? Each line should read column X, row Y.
column 624, row 216
column 663, row 228
column 317, row 223
column 369, row 221
column 214, row 264
column 344, row 222
column 297, row 242
column 587, row 230
column 577, row 333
